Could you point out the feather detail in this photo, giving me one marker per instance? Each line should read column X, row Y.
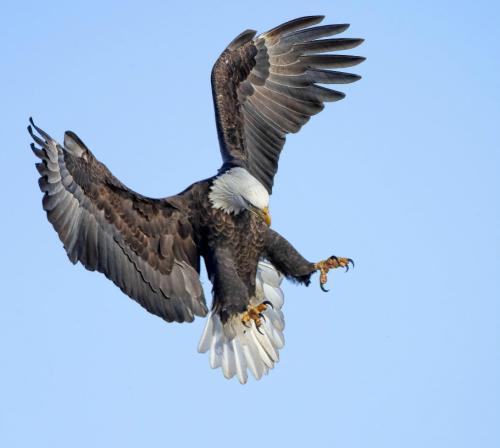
column 267, row 86
column 236, row 348
column 145, row 246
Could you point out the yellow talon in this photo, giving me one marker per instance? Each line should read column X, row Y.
column 255, row 313
column 331, row 263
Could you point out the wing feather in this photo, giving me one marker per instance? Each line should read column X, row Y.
column 265, row 87
column 145, row 246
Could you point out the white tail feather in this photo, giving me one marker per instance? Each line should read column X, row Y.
column 235, row 347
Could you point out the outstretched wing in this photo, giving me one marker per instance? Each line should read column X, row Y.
column 266, row 87
column 145, row 246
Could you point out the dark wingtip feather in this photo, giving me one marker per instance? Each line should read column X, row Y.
column 332, row 60
column 342, row 77
column 332, row 77
column 295, row 24
column 338, row 96
column 327, row 45
column 30, row 128
column 37, row 151
column 35, row 137
column 329, row 94
column 316, row 32
column 359, row 59
column 338, row 28
column 46, row 136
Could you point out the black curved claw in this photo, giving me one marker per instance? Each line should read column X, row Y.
column 258, row 329
column 248, row 326
column 349, row 260
column 267, row 302
column 334, row 257
column 262, row 317
column 322, row 286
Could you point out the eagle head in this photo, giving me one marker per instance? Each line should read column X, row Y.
column 237, row 190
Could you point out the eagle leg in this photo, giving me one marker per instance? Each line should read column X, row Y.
column 255, row 313
column 331, row 263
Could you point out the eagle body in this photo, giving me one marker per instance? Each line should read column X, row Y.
column 230, row 245
column 264, row 87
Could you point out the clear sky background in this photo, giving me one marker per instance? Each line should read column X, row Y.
column 402, row 176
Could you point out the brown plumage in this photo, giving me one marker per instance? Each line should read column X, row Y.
column 263, row 88
column 266, row 87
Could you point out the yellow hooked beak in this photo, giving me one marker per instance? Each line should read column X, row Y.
column 264, row 214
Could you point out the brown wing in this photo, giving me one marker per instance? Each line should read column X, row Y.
column 266, row 87
column 145, row 246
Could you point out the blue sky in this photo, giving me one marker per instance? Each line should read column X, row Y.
column 402, row 176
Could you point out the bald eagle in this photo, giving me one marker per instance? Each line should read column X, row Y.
column 264, row 87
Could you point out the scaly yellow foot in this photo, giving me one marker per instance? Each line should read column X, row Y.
column 255, row 313
column 331, row 263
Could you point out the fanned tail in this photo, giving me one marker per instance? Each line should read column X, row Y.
column 237, row 348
